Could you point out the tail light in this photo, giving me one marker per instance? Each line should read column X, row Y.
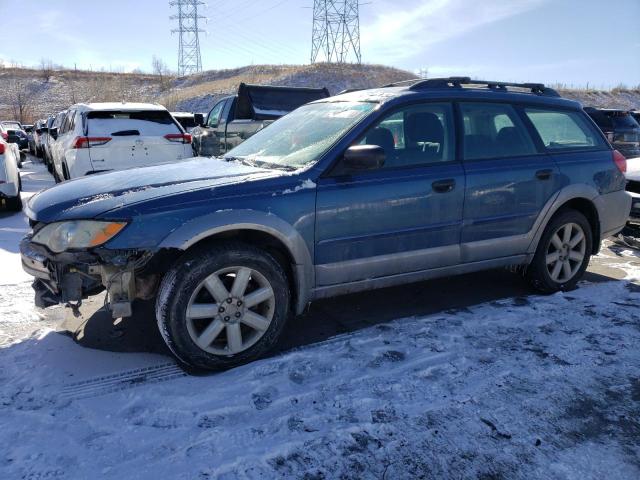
column 178, row 137
column 1, row 148
column 87, row 142
column 5, row 135
column 620, row 161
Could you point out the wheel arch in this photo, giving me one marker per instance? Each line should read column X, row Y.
column 576, row 197
column 263, row 230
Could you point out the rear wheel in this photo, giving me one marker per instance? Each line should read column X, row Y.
column 563, row 253
column 223, row 305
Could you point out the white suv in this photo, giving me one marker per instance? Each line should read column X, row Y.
column 97, row 137
column 9, row 176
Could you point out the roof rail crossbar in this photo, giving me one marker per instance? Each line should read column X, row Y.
column 457, row 82
column 401, row 82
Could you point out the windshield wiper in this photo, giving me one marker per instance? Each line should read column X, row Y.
column 259, row 163
column 276, row 166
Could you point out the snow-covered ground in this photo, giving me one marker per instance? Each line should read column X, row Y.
column 526, row 388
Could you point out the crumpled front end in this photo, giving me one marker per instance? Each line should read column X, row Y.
column 69, row 277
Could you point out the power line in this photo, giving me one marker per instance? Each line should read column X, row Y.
column 336, row 31
column 189, row 58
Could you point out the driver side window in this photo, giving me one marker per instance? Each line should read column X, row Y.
column 214, row 114
column 415, row 135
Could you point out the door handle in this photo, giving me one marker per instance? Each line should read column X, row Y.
column 544, row 174
column 443, row 186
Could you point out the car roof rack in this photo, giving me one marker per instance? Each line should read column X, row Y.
column 458, row 82
column 402, row 82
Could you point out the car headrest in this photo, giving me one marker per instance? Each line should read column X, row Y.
column 424, row 127
column 383, row 138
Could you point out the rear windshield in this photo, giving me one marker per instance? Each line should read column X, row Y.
column 14, row 125
column 118, row 123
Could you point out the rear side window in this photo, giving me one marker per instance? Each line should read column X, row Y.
column 493, row 130
column 564, row 130
column 148, row 123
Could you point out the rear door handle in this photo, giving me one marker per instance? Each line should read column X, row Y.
column 544, row 174
column 443, row 186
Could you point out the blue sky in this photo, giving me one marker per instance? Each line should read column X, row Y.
column 574, row 42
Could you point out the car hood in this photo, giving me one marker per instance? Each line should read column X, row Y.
column 90, row 196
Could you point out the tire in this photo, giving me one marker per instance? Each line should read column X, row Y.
column 14, row 204
column 230, row 333
column 65, row 172
column 541, row 274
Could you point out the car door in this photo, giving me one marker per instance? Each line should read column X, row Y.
column 403, row 217
column 209, row 138
column 237, row 131
column 509, row 180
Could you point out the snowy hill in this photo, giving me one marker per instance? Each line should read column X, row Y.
column 38, row 92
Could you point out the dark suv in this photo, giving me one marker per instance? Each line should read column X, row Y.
column 363, row 190
column 620, row 127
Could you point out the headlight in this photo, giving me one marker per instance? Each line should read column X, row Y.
column 78, row 234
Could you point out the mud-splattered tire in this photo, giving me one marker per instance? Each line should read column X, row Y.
column 563, row 253
column 223, row 305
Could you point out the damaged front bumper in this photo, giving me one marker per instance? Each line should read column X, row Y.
column 70, row 277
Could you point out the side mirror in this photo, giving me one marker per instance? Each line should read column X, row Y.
column 199, row 119
column 364, row 157
column 54, row 133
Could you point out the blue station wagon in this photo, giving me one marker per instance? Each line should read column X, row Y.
column 362, row 190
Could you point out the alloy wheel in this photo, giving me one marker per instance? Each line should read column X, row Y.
column 230, row 310
column 566, row 252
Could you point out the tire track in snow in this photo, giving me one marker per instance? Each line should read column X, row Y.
column 115, row 382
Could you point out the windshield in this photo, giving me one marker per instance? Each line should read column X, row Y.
column 301, row 137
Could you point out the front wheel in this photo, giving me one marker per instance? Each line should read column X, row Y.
column 223, row 305
column 563, row 253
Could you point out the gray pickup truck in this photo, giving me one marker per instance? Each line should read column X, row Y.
column 235, row 118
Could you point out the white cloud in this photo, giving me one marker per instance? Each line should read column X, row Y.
column 398, row 33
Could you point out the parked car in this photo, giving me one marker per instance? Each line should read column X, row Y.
column 30, row 131
column 44, row 140
column 620, row 127
column 52, row 137
column 234, row 119
column 12, row 124
column 38, row 136
column 19, row 137
column 97, row 137
column 328, row 201
column 12, row 137
column 10, row 184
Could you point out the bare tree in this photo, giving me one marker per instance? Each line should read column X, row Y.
column 161, row 69
column 46, row 68
column 21, row 99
